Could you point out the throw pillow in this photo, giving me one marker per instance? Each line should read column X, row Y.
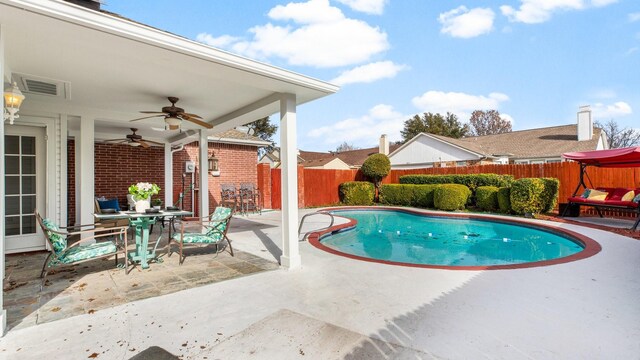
column 598, row 195
column 58, row 241
column 636, row 199
column 628, row 196
column 586, row 193
column 109, row 204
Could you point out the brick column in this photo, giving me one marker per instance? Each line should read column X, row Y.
column 300, row 186
column 264, row 184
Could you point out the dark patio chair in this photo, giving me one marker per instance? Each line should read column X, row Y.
column 250, row 198
column 208, row 231
column 93, row 243
column 230, row 197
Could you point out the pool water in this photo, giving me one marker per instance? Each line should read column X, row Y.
column 401, row 237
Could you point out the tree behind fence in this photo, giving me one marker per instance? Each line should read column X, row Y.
column 320, row 187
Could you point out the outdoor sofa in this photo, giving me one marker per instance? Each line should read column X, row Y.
column 612, row 200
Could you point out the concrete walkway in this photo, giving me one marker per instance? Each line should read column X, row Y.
column 586, row 309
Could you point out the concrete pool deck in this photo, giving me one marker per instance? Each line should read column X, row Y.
column 577, row 310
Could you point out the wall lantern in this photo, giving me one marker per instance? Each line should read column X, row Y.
column 12, row 100
column 214, row 168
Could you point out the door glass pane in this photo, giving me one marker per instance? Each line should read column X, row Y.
column 28, row 145
column 28, row 224
column 11, row 164
column 29, row 165
column 11, row 185
column 11, row 144
column 13, row 205
column 28, row 204
column 28, row 184
column 12, row 225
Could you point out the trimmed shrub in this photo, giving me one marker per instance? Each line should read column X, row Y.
column 407, row 195
column 396, row 194
column 357, row 193
column 423, row 195
column 487, row 197
column 526, row 196
column 451, row 196
column 376, row 167
column 504, row 201
column 472, row 181
column 550, row 193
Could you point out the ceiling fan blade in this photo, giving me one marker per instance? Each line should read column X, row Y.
column 111, row 140
column 153, row 142
column 143, row 143
column 152, row 112
column 196, row 121
column 148, row 117
column 192, row 115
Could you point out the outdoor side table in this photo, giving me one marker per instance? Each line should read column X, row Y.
column 141, row 222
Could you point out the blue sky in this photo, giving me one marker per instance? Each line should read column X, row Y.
column 535, row 61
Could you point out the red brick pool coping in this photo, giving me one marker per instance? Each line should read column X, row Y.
column 591, row 247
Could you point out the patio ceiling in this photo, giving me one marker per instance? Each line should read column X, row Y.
column 114, row 68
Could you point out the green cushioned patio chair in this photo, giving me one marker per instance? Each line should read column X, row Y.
column 93, row 243
column 209, row 231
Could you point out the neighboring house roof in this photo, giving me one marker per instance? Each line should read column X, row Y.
column 525, row 144
column 323, row 162
column 353, row 158
column 234, row 136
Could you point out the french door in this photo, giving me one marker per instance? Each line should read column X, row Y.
column 24, row 161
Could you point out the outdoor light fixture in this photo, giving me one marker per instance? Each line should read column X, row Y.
column 214, row 169
column 12, row 100
column 172, row 121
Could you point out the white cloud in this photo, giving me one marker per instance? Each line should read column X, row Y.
column 220, row 41
column 369, row 73
column 458, row 103
column 324, row 37
column 365, row 130
column 507, row 117
column 606, row 112
column 310, row 12
column 464, row 23
column 633, row 17
column 374, row 7
column 539, row 11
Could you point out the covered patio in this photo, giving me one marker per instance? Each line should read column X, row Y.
column 86, row 73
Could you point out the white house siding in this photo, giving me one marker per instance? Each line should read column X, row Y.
column 426, row 150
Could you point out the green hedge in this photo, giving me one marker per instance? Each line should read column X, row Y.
column 357, row 193
column 451, row 196
column 550, row 193
column 472, row 181
column 526, row 196
column 407, row 195
column 487, row 198
column 504, row 201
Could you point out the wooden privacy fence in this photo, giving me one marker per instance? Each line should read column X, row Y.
column 318, row 187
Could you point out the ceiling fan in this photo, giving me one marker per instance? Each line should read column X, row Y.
column 173, row 116
column 134, row 140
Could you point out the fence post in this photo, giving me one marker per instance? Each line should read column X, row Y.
column 264, row 184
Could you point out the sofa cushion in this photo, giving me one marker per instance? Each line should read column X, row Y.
column 58, row 241
column 195, row 238
column 597, row 195
column 85, row 252
column 109, row 204
column 628, row 196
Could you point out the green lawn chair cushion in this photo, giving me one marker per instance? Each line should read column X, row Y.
column 59, row 242
column 195, row 238
column 221, row 213
column 90, row 251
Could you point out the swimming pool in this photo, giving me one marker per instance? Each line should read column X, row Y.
column 416, row 239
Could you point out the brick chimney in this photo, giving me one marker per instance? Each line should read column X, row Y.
column 89, row 4
column 384, row 145
column 585, row 123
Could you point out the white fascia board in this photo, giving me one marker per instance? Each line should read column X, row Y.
column 76, row 14
column 239, row 141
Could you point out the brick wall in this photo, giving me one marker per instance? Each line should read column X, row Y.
column 119, row 166
column 238, row 164
column 116, row 168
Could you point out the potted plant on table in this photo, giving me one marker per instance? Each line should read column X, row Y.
column 142, row 193
column 156, row 203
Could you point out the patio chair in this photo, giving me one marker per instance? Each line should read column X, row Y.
column 211, row 230
column 250, row 198
column 229, row 197
column 93, row 243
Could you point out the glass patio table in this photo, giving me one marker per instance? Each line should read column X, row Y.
column 141, row 223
